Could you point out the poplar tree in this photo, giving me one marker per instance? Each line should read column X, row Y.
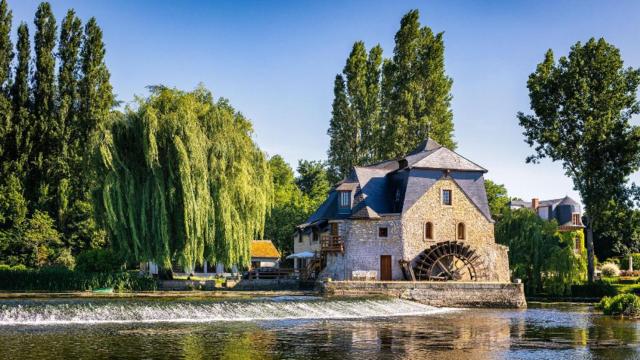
column 341, row 132
column 6, row 55
column 21, row 103
column 354, row 126
column 417, row 91
column 383, row 108
column 47, row 128
column 68, row 103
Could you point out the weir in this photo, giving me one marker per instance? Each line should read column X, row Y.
column 70, row 312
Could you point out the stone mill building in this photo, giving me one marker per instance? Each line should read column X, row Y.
column 421, row 217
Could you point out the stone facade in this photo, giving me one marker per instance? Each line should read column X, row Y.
column 406, row 237
column 363, row 248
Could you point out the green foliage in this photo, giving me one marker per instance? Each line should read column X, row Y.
column 384, row 108
column 313, row 181
column 544, row 259
column 183, row 180
column 624, row 261
column 622, row 304
column 100, row 260
column 583, row 105
column 596, row 289
column 497, row 197
column 45, row 143
column 61, row 279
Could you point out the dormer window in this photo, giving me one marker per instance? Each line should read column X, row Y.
column 344, row 200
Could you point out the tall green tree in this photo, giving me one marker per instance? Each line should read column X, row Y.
column 416, row 92
column 383, row 108
column 356, row 107
column 68, row 94
column 341, row 132
column 183, row 180
column 582, row 108
column 6, row 56
column 21, row 104
column 47, row 127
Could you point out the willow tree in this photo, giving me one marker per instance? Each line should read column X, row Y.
column 183, row 180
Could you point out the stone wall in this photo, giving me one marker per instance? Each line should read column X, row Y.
column 363, row 248
column 442, row 294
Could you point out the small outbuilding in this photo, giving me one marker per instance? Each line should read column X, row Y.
column 264, row 254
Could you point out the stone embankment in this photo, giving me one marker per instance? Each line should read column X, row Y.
column 442, row 294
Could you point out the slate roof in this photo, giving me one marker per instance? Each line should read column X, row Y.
column 551, row 202
column 393, row 186
column 264, row 249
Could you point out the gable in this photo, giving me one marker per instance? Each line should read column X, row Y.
column 470, row 188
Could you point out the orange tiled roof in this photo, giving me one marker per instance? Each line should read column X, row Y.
column 264, row 249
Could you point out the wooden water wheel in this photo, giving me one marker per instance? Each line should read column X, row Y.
column 449, row 261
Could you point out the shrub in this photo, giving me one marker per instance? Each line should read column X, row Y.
column 99, row 260
column 62, row 279
column 624, row 262
column 610, row 269
column 596, row 289
column 623, row 304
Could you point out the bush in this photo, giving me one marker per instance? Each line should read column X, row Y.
column 624, row 262
column 610, row 269
column 62, row 279
column 99, row 261
column 623, row 304
column 596, row 289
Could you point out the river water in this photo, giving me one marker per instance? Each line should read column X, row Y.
column 306, row 328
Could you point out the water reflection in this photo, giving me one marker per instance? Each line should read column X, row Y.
column 541, row 332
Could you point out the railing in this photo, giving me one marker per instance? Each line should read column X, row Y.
column 269, row 273
column 331, row 243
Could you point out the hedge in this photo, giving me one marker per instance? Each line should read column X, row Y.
column 61, row 279
column 596, row 289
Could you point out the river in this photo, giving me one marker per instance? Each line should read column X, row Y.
column 306, row 328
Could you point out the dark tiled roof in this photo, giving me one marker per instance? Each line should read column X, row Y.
column 393, row 186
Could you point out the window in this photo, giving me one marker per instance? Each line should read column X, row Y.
column 428, row 231
column 300, row 237
column 345, row 199
column 383, row 232
column 446, row 197
column 576, row 219
column 316, row 236
column 461, row 234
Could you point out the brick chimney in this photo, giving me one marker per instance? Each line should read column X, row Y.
column 535, row 202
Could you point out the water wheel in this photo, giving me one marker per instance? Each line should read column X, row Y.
column 448, row 261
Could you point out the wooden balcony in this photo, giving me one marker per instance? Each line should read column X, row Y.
column 331, row 243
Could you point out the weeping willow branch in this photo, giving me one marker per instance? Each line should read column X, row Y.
column 183, row 180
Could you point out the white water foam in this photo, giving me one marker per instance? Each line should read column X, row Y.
column 87, row 312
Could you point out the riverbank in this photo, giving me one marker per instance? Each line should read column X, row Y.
column 156, row 294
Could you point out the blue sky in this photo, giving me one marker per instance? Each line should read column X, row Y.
column 276, row 60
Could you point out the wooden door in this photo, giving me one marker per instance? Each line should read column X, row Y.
column 385, row 267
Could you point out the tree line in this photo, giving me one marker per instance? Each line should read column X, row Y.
column 52, row 104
